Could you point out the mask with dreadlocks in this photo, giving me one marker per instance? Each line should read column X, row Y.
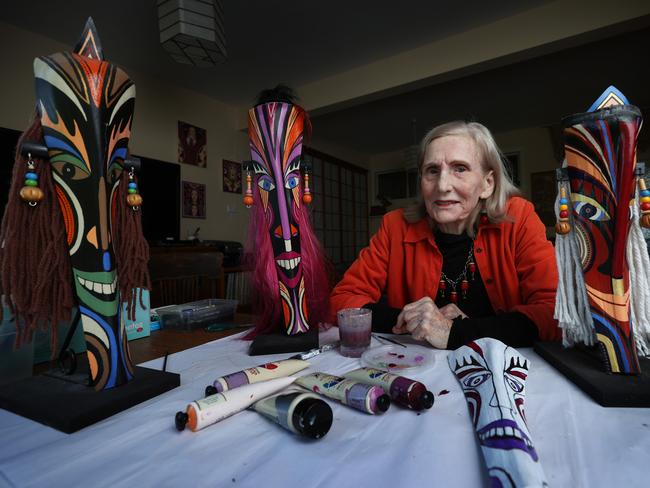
column 289, row 273
column 84, row 115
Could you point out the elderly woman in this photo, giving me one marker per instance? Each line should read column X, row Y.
column 472, row 260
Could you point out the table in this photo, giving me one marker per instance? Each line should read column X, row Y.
column 580, row 443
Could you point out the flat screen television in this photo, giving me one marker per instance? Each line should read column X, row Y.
column 159, row 183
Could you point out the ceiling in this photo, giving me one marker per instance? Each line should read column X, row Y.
column 532, row 93
column 298, row 42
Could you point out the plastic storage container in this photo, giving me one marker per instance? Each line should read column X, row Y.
column 193, row 315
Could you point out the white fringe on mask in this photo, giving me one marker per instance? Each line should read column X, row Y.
column 571, row 303
column 638, row 262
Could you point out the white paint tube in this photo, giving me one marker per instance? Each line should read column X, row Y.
column 362, row 396
column 210, row 410
column 263, row 372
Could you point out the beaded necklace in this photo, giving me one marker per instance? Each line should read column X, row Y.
column 470, row 267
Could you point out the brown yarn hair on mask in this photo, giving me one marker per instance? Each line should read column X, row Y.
column 35, row 273
column 130, row 247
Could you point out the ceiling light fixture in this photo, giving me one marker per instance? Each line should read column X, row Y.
column 192, row 31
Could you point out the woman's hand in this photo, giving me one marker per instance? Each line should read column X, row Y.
column 424, row 321
column 451, row 311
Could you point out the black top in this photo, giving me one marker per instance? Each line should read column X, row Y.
column 512, row 328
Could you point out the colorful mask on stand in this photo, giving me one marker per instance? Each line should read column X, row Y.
column 84, row 112
column 600, row 161
column 493, row 378
column 280, row 222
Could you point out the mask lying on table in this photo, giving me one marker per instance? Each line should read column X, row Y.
column 493, row 378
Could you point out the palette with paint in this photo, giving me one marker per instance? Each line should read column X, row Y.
column 396, row 358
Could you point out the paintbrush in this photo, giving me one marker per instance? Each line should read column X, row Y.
column 315, row 352
column 382, row 338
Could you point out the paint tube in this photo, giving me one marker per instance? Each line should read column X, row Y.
column 404, row 391
column 362, row 396
column 207, row 411
column 299, row 412
column 259, row 373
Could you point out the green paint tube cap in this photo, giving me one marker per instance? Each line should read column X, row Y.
column 312, row 417
column 383, row 402
column 426, row 400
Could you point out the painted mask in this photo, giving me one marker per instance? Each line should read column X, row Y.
column 600, row 152
column 85, row 105
column 493, row 378
column 275, row 132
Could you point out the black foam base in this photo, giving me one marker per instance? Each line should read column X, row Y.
column 279, row 343
column 68, row 405
column 584, row 368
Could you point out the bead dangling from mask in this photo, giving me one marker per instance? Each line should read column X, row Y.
column 644, row 200
column 306, row 191
column 31, row 193
column 248, row 197
column 563, row 226
column 134, row 199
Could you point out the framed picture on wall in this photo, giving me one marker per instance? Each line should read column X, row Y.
column 193, row 200
column 543, row 190
column 231, row 176
column 192, row 145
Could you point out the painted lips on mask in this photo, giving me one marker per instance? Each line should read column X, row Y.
column 505, row 434
column 288, row 264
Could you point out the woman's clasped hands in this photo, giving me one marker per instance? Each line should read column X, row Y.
column 425, row 321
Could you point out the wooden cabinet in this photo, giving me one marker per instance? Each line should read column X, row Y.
column 181, row 274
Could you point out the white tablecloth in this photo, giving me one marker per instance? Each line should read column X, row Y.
column 580, row 443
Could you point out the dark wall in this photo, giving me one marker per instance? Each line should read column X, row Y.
column 8, row 140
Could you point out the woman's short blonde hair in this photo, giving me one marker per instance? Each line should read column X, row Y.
column 491, row 159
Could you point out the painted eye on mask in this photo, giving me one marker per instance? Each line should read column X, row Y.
column 69, row 167
column 476, row 379
column 515, row 385
column 588, row 208
column 292, row 182
column 115, row 171
column 265, row 183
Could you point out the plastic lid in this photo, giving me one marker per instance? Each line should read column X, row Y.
column 383, row 402
column 210, row 390
column 426, row 400
column 312, row 417
column 180, row 420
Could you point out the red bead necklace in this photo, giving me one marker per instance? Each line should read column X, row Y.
column 469, row 268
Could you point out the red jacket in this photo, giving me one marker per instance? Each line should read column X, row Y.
column 514, row 258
